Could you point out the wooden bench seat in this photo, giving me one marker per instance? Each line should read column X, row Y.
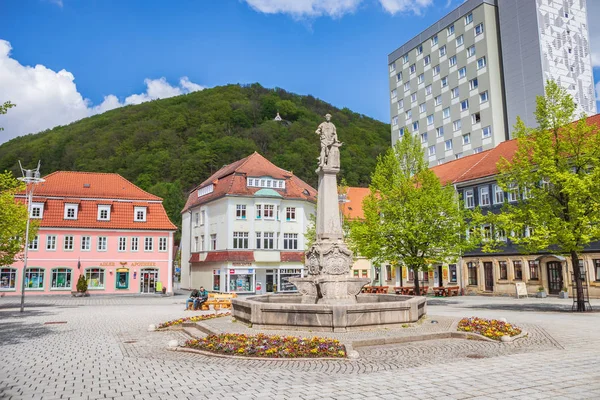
column 452, row 291
column 219, row 300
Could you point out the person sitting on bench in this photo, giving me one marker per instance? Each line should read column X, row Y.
column 193, row 299
column 202, row 297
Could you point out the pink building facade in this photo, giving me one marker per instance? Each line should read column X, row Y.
column 100, row 226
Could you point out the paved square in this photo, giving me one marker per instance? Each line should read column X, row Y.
column 100, row 348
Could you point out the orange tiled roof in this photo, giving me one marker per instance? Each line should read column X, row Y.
column 67, row 187
column 352, row 209
column 91, row 185
column 231, row 180
column 483, row 164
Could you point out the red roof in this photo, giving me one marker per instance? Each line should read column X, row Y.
column 66, row 187
column 292, row 256
column 220, row 256
column 352, row 209
column 483, row 164
column 231, row 180
column 96, row 185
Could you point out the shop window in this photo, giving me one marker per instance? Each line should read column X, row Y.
column 122, row 278
column 95, row 278
column 364, row 273
column 472, row 273
column 216, row 279
column 388, row 273
column 503, row 270
column 518, row 270
column 284, row 279
column 534, row 270
column 355, row 273
column 61, row 278
column 453, row 273
column 34, row 279
column 597, row 269
column 8, row 278
column 241, row 282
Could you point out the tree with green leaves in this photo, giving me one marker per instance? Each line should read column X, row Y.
column 4, row 109
column 410, row 218
column 557, row 169
column 13, row 219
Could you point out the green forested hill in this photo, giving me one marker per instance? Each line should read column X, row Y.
column 168, row 146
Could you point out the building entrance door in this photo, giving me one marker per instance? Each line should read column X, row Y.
column 440, row 277
column 148, row 278
column 488, row 272
column 555, row 278
column 270, row 281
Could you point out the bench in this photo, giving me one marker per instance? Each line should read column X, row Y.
column 452, row 290
column 218, row 300
column 439, row 291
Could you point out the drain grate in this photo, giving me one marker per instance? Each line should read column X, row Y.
column 55, row 322
column 475, row 356
column 130, row 341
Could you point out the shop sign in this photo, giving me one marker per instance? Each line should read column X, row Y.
column 242, row 264
column 143, row 264
column 445, row 273
column 107, row 264
column 290, row 271
column 216, row 272
column 404, row 273
column 238, row 271
column 430, row 274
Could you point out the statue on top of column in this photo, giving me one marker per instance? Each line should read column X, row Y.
column 330, row 155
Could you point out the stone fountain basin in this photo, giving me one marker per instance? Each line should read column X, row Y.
column 287, row 312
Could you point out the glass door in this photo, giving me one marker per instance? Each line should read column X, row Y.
column 555, row 279
column 148, row 278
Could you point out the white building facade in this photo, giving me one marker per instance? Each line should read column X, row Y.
column 243, row 229
column 460, row 84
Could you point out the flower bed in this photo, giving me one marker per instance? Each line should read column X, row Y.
column 195, row 318
column 490, row 328
column 269, row 346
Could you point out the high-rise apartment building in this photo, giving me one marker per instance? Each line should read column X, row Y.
column 462, row 82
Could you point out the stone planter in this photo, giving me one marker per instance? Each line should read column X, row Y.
column 563, row 295
column 541, row 295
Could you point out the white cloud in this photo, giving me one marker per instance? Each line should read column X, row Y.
column 332, row 8
column 46, row 98
column 57, row 2
column 398, row 6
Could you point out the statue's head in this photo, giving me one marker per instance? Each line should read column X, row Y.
column 328, row 117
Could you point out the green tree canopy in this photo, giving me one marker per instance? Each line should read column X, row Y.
column 13, row 219
column 557, row 168
column 410, row 218
column 4, row 109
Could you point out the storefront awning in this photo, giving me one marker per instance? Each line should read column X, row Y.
column 224, row 256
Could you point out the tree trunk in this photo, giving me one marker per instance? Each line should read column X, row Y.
column 578, row 282
column 416, row 281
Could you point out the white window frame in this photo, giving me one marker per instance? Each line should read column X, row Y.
column 484, row 196
column 462, row 72
column 498, row 195
column 471, row 51
column 446, row 113
column 240, row 240
column 448, row 144
column 163, row 244
column 442, row 51
column 450, row 30
column 469, row 198
column 428, row 89
column 431, row 150
column 439, row 131
column 474, row 119
column 148, row 244
column 473, row 84
column 139, row 214
column 135, row 244
column 101, row 209
column 454, row 92
column 290, row 213
column 457, row 125
column 86, row 243
column 466, row 138
column 444, row 81
column 478, row 29
column 240, row 209
column 438, row 100
column 50, row 242
column 290, row 241
column 513, row 193
column 213, row 241
column 407, row 86
column 489, row 132
column 452, row 61
column 460, row 40
column 426, row 59
column 483, row 97
column 468, row 18
column 436, row 70
column 424, row 137
column 423, row 107
column 415, row 126
column 37, row 211
column 68, row 243
column 481, row 62
column 122, row 244
column 430, row 120
column 102, row 243
column 464, row 105
column 34, row 244
column 73, row 208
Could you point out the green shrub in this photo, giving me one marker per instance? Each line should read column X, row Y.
column 82, row 285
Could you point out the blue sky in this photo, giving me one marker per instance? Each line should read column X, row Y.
column 333, row 49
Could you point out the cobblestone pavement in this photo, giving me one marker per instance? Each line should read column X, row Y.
column 100, row 348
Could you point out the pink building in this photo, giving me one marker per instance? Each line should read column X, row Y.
column 98, row 225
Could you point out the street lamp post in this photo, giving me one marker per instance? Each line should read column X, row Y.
column 31, row 178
